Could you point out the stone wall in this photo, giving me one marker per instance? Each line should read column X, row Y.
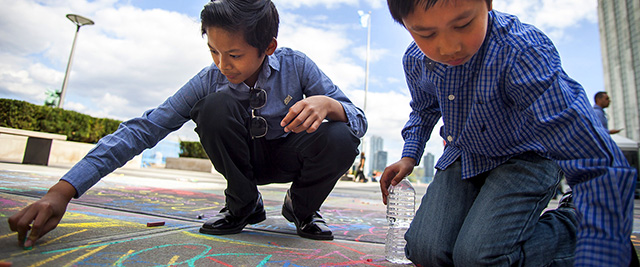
column 190, row 164
column 62, row 152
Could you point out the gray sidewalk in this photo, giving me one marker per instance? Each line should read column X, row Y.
column 108, row 225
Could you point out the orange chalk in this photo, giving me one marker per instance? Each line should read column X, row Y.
column 5, row 264
column 152, row 224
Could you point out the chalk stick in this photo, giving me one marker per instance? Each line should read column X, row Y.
column 152, row 224
column 5, row 264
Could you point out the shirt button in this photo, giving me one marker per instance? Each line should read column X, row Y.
column 452, row 97
column 450, row 138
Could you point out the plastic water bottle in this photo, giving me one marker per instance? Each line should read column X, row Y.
column 400, row 212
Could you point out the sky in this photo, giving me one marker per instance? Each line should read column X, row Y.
column 140, row 52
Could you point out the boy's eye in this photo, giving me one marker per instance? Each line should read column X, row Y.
column 428, row 36
column 213, row 51
column 465, row 25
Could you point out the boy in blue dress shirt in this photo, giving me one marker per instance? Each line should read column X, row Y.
column 514, row 123
column 260, row 115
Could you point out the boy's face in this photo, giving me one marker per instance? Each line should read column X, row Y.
column 236, row 59
column 450, row 32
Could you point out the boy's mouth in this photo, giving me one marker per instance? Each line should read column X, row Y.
column 230, row 76
column 456, row 62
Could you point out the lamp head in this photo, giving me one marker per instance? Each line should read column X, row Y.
column 79, row 20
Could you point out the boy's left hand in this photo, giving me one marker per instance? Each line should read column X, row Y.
column 308, row 114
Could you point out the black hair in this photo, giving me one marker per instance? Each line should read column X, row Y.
column 257, row 19
column 400, row 9
column 599, row 95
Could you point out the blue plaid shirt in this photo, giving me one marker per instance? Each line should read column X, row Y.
column 513, row 97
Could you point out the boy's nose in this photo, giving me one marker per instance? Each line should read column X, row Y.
column 222, row 64
column 449, row 46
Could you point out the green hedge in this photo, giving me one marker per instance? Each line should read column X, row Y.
column 192, row 149
column 76, row 126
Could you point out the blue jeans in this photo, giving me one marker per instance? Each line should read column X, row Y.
column 493, row 219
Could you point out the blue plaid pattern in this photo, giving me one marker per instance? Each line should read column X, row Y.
column 513, row 97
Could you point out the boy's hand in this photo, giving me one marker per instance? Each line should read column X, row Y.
column 393, row 174
column 45, row 214
column 308, row 114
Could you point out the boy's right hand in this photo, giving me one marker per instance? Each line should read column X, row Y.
column 393, row 174
column 43, row 215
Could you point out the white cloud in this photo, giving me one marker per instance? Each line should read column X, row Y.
column 551, row 16
column 293, row 4
column 138, row 55
column 330, row 4
column 328, row 46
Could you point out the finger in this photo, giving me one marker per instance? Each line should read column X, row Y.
column 14, row 219
column 384, row 185
column 22, row 235
column 304, row 125
column 384, row 192
column 38, row 229
column 36, row 234
column 297, row 125
column 292, row 114
column 23, row 225
column 314, row 126
column 398, row 178
column 30, row 241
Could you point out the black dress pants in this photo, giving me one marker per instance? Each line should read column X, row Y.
column 313, row 162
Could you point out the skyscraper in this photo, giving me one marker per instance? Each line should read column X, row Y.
column 380, row 159
column 619, row 23
column 376, row 145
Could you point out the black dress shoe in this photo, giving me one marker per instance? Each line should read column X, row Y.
column 226, row 223
column 312, row 227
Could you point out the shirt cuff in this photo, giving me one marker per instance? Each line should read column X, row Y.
column 82, row 176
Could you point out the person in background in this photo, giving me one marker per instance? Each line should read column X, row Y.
column 360, row 177
column 602, row 101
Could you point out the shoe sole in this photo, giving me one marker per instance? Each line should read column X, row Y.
column 289, row 216
column 253, row 219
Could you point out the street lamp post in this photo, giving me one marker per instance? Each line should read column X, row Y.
column 365, row 21
column 79, row 21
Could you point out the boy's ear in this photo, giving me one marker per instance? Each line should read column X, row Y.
column 272, row 47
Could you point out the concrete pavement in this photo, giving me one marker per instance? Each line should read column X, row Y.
column 108, row 225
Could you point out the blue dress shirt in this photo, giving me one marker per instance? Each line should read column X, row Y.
column 287, row 76
column 599, row 111
column 513, row 97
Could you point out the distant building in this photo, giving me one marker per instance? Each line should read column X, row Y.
column 380, row 160
column 428, row 161
column 376, row 144
column 619, row 23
